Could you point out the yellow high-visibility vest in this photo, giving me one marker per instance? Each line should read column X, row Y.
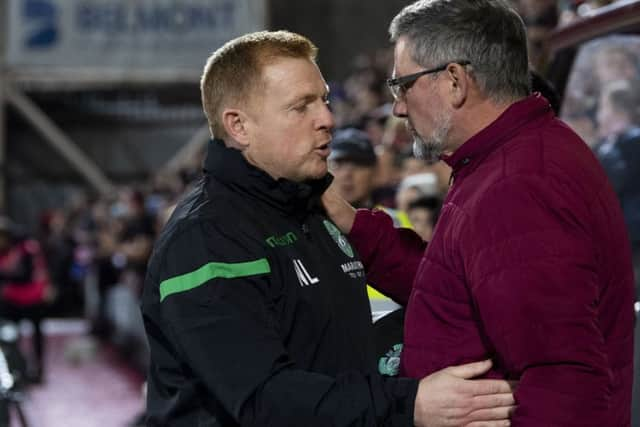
column 381, row 304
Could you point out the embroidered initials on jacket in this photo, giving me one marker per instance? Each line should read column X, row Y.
column 304, row 277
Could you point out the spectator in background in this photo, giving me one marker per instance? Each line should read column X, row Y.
column 618, row 119
column 25, row 288
column 423, row 213
column 618, row 108
column 58, row 248
column 374, row 124
column 583, row 125
column 353, row 164
column 135, row 241
column 615, row 63
column 598, row 63
column 96, row 254
column 416, row 186
column 531, row 250
column 364, row 88
column 541, row 18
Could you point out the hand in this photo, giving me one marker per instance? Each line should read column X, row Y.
column 339, row 210
column 450, row 398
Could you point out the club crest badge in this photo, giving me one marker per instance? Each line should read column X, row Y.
column 339, row 238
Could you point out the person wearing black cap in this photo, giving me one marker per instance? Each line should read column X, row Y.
column 353, row 164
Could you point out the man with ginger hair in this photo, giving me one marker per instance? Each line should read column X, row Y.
column 254, row 303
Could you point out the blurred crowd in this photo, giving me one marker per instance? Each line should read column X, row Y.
column 96, row 249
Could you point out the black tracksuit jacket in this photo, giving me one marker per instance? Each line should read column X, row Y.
column 256, row 311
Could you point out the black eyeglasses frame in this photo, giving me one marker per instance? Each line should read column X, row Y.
column 400, row 85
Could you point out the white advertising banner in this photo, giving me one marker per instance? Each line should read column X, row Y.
column 168, row 36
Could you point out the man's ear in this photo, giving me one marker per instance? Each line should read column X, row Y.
column 236, row 125
column 460, row 83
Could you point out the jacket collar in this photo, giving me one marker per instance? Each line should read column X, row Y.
column 490, row 138
column 228, row 166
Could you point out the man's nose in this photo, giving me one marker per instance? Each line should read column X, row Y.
column 326, row 120
column 399, row 108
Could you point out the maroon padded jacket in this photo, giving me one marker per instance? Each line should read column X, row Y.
column 529, row 265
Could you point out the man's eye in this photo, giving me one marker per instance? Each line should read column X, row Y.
column 300, row 108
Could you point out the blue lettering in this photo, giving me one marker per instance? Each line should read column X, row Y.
column 108, row 19
column 44, row 13
column 122, row 17
column 84, row 17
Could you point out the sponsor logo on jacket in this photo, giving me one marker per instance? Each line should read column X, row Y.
column 285, row 240
column 354, row 269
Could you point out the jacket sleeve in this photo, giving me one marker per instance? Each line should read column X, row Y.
column 391, row 255
column 216, row 303
column 532, row 274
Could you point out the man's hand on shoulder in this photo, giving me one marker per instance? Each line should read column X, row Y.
column 339, row 210
column 451, row 397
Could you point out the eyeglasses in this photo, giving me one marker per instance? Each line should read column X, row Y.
column 400, row 85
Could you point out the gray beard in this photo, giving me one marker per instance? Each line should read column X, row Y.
column 430, row 149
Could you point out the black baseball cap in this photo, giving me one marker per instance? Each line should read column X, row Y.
column 352, row 145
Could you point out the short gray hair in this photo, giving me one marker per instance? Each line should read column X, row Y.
column 487, row 33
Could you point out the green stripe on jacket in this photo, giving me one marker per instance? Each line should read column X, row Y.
column 212, row 270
